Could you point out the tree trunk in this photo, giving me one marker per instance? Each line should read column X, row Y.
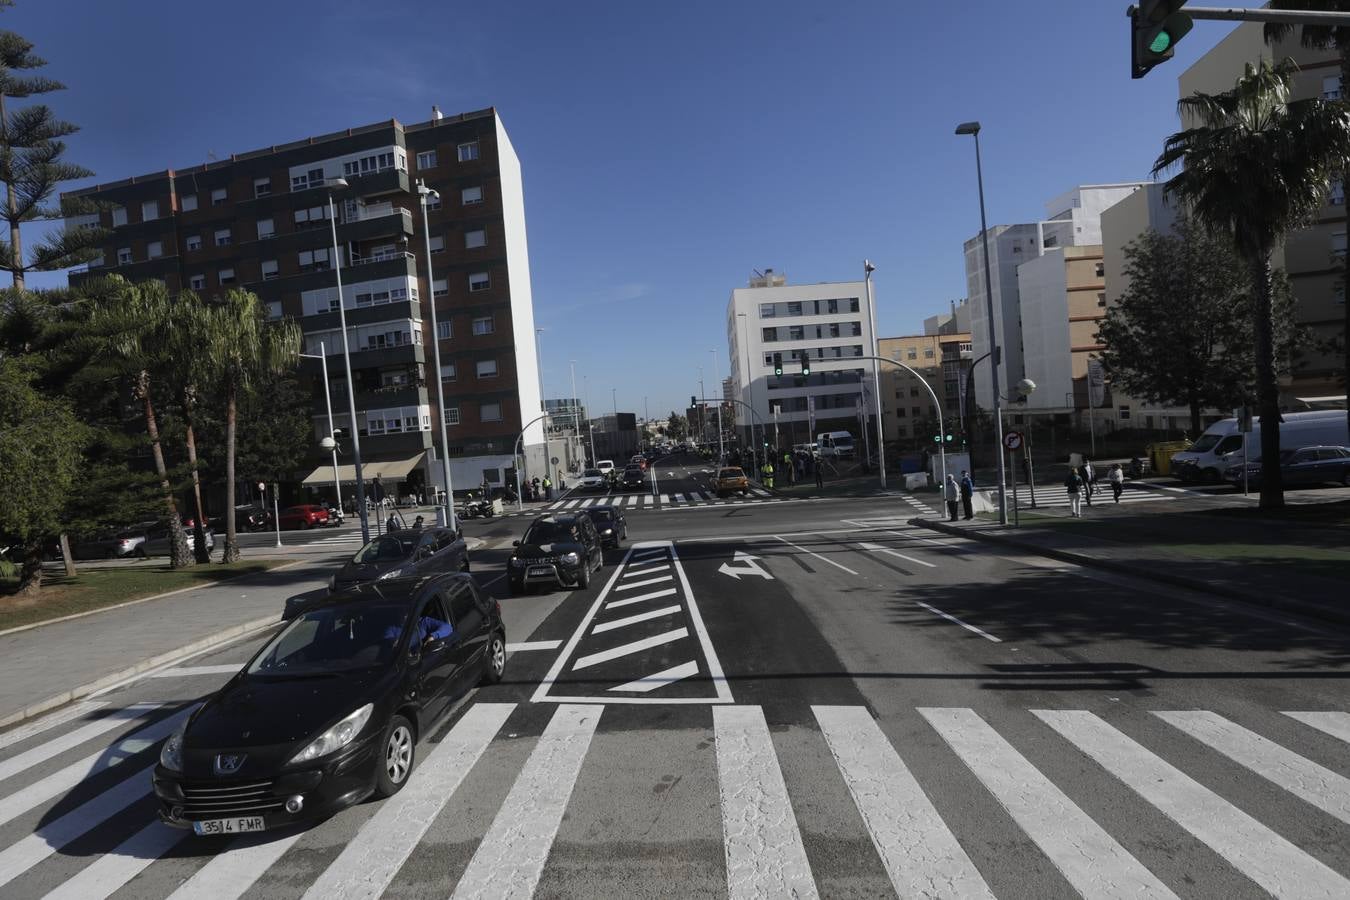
column 231, row 553
column 1267, row 388
column 30, row 573
column 66, row 558
column 1195, row 417
column 178, row 550
column 11, row 201
column 199, row 550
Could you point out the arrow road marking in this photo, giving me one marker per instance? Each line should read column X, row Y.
column 748, row 566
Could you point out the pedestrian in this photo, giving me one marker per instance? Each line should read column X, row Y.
column 967, row 493
column 548, row 488
column 766, row 474
column 1117, row 478
column 820, row 473
column 951, row 493
column 392, row 524
column 1088, row 476
column 791, row 470
column 417, row 524
column 1073, row 484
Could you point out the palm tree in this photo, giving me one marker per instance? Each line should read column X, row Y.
column 1256, row 166
column 244, row 347
column 194, row 332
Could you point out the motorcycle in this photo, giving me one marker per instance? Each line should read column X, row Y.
column 476, row 505
column 334, row 516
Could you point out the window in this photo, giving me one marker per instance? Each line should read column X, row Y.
column 471, row 196
column 443, row 330
column 149, row 210
column 366, row 165
column 154, row 249
column 434, row 201
column 119, row 216
column 487, row 368
column 197, row 282
column 448, row 372
column 766, row 311
column 928, row 353
column 1337, row 197
column 490, row 412
column 1101, row 299
column 438, row 243
column 439, row 288
column 911, row 353
column 226, row 276
column 483, row 325
column 219, row 196
column 769, row 335
column 917, row 411
column 452, row 415
column 269, row 270
column 1331, row 87
column 1338, row 243
column 187, row 202
column 796, row 332
column 1124, row 412
column 475, row 238
column 124, row 256
column 479, row 281
column 468, row 152
column 262, row 187
column 312, row 217
column 314, row 260
column 224, row 238
column 426, row 160
column 266, row 229
column 274, row 309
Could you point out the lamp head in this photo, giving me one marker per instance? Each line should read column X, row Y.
column 328, row 444
column 338, row 183
column 868, row 268
column 426, row 192
column 968, row 128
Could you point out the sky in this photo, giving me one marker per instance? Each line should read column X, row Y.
column 668, row 149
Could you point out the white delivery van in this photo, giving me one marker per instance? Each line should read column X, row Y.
column 835, row 444
column 1221, row 444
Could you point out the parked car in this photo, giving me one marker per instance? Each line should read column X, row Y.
column 592, row 480
column 555, row 550
column 330, row 710
column 634, row 479
column 306, row 515
column 157, row 540
column 1301, row 467
column 400, row 554
column 609, row 521
column 730, row 480
column 109, row 545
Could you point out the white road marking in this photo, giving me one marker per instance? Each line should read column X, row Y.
column 1253, row 849
column 966, row 625
column 628, row 601
column 45, row 751
column 634, row 619
column 889, row 552
column 921, row 855
column 60, row 717
column 1089, row 858
column 647, row 554
column 664, row 499
column 1327, row 790
column 512, row 854
column 373, row 857
column 654, row 566
column 628, row 649
column 651, row 682
column 764, row 850
column 637, row 584
column 233, row 871
column 190, row 671
column 112, row 870
column 1336, row 724
column 816, row 555
column 533, row 645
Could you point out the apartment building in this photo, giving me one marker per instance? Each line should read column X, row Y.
column 828, row 323
column 261, row 221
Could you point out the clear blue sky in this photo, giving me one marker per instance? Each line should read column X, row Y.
column 667, row 148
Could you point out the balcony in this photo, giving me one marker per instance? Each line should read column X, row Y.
column 378, row 184
column 379, row 222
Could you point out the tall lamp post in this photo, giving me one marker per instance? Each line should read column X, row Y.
column 590, row 425
column 868, row 269
column 717, row 380
column 330, row 442
column 340, row 184
column 543, row 406
column 973, row 129
column 425, row 194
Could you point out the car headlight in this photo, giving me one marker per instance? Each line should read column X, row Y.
column 571, row 559
column 517, row 562
column 171, row 754
column 392, row 573
column 337, row 737
column 608, row 531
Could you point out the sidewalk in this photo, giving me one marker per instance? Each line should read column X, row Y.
column 1275, row 562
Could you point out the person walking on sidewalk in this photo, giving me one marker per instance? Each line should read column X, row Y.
column 820, row 473
column 1117, row 478
column 1074, row 486
column 548, row 488
column 1085, row 472
column 766, row 474
column 951, row 493
column 967, row 493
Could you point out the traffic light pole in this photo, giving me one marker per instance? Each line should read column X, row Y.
column 1278, row 16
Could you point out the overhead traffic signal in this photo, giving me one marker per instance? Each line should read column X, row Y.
column 1155, row 28
column 778, row 364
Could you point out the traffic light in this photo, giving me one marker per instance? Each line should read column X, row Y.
column 1155, row 28
column 806, row 363
column 778, row 364
column 693, row 401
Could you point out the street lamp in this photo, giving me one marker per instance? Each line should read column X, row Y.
column 717, row 380
column 425, row 194
column 973, row 129
column 330, row 442
column 868, row 269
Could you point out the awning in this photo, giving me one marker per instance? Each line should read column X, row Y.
column 389, row 470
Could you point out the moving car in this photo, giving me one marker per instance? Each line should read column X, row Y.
column 156, row 541
column 110, row 545
column 330, row 710
column 556, row 550
column 640, row 461
column 609, row 522
column 634, row 479
column 306, row 515
column 592, row 480
column 1305, row 466
column 731, row 479
column 400, row 554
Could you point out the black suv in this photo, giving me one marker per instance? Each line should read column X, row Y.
column 609, row 521
column 634, row 479
column 556, row 550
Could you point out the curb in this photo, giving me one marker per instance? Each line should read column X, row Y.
column 1312, row 610
column 107, row 681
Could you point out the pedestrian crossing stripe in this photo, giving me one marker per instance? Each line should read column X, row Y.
column 764, row 832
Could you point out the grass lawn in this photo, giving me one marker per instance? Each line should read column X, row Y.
column 97, row 588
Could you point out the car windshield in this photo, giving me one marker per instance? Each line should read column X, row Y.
column 1204, row 443
column 633, row 470
column 602, row 515
column 333, row 639
column 591, row 473
column 547, row 533
column 386, row 549
column 731, row 473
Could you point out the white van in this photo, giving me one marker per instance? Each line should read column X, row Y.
column 1221, row 444
column 606, row 467
column 836, row 444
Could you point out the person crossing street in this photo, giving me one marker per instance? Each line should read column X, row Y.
column 766, row 474
column 1117, row 479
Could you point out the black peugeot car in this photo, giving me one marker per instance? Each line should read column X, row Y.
column 330, row 710
column 404, row 553
column 609, row 522
column 634, row 479
column 556, row 550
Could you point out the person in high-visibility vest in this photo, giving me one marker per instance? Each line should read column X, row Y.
column 766, row 475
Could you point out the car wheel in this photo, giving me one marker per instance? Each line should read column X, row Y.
column 584, row 577
column 496, row 659
column 1210, row 475
column 396, row 759
column 140, row 553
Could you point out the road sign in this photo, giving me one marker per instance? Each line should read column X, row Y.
column 1012, row 441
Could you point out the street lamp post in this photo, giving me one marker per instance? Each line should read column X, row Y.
column 543, row 406
column 338, row 184
column 425, row 194
column 576, row 412
column 328, row 403
column 590, row 426
column 973, row 129
column 868, row 269
column 717, row 379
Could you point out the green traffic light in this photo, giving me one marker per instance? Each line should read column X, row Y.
column 1161, row 41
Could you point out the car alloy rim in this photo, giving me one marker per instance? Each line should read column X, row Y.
column 498, row 655
column 398, row 755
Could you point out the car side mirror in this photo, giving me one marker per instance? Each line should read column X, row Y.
column 515, row 543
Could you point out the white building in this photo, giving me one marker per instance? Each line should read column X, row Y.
column 828, row 323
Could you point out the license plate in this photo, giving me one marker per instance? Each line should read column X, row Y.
column 541, row 570
column 229, row 826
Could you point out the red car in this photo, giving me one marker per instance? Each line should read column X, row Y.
column 306, row 515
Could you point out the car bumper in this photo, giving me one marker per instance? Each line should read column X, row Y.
column 546, row 573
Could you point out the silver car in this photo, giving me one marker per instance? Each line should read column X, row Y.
column 157, row 540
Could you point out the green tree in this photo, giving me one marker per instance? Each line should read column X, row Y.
column 677, row 428
column 1255, row 166
column 1181, row 334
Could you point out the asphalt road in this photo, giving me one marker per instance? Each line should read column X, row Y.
column 782, row 698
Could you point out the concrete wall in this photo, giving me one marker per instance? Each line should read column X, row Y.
column 522, row 298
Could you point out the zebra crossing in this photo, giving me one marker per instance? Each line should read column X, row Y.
column 97, row 843
column 664, row 500
column 1058, row 495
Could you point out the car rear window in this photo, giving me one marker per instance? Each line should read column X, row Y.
column 731, row 473
column 590, row 473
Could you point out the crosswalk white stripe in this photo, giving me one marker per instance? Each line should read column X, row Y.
column 647, row 553
column 678, row 498
column 112, row 870
column 764, row 850
column 874, row 548
column 760, row 492
column 230, row 873
column 1327, row 790
column 21, row 856
column 512, row 855
column 655, row 640
column 664, row 499
column 921, row 855
column 1253, row 849
column 370, row 860
column 648, row 683
column 45, row 751
column 1336, row 724
column 634, row 619
column 655, row 567
column 637, row 584
column 48, row 722
column 1088, row 857
column 39, row 792
column 629, row 601
column 570, row 503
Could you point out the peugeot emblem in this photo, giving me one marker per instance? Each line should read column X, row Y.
column 228, row 763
